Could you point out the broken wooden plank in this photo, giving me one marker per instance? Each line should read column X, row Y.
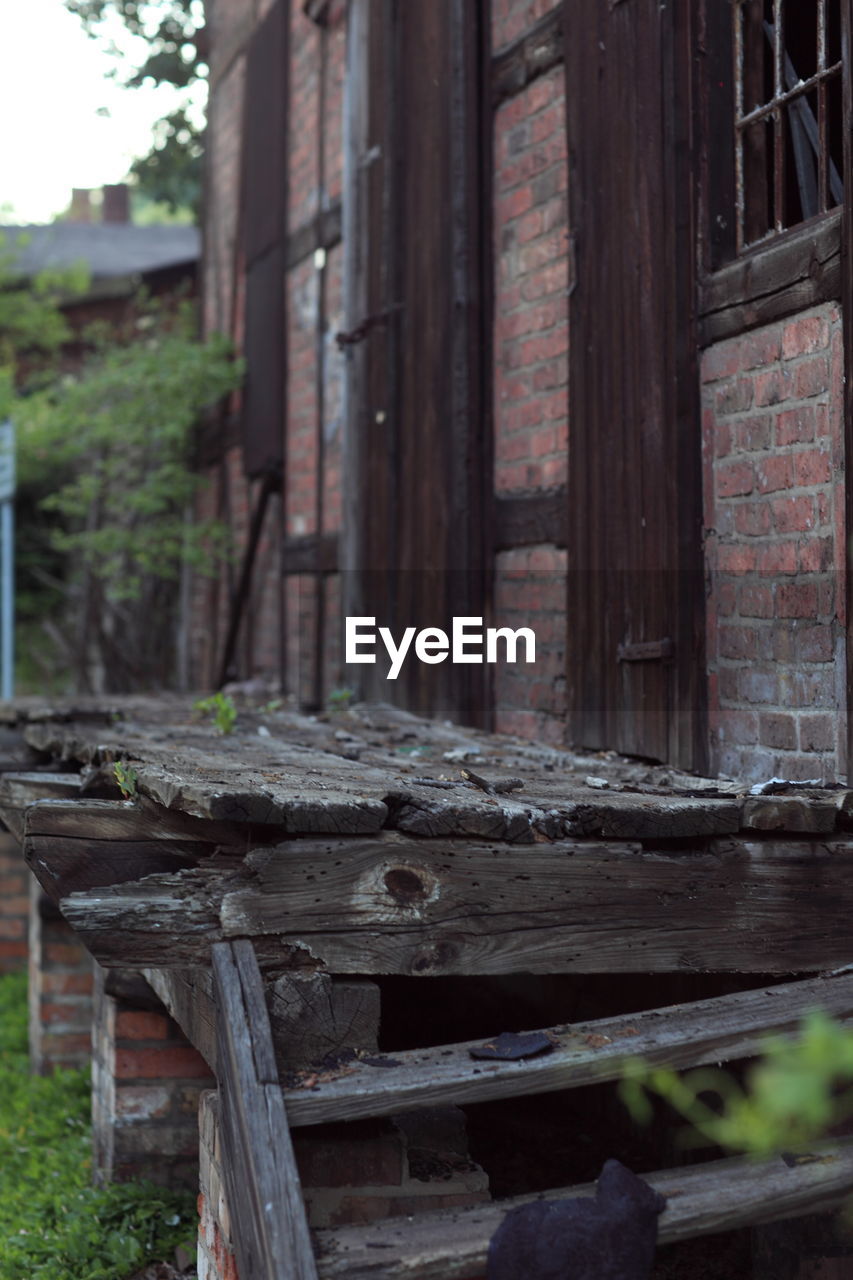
column 701, row 1200
column 555, row 809
column 260, row 782
column 271, row 1237
column 720, row 1029
column 77, row 845
column 401, row 905
column 791, row 813
column 19, row 790
column 272, row 782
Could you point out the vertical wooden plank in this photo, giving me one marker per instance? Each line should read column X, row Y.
column 634, row 431
column 356, row 91
column 264, row 204
column 847, row 319
column 271, row 1236
column 416, row 369
column 441, row 545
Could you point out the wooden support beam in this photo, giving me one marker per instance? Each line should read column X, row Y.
column 801, row 270
column 322, row 232
column 19, row 790
column 271, row 1237
column 686, row 1035
column 426, row 907
column 188, row 996
column 528, row 519
column 78, row 845
column 701, row 1200
column 307, row 553
column 536, row 51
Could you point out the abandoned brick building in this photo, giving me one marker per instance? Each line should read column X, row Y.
column 574, row 359
column 545, row 315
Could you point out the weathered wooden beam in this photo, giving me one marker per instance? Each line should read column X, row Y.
column 19, row 790
column 422, row 907
column 536, row 51
column 529, row 519
column 314, row 1016
column 311, row 1015
column 271, row 1237
column 800, row 270
column 701, row 1200
column 685, row 1035
column 309, row 554
column 322, row 232
column 76, row 845
column 269, row 783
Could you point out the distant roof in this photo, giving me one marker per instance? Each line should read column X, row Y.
column 109, row 249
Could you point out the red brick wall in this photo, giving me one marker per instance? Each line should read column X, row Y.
column 774, row 516
column 60, row 989
column 531, row 376
column 146, row 1083
column 14, row 904
column 512, row 18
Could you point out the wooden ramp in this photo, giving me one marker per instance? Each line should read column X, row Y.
column 273, row 1241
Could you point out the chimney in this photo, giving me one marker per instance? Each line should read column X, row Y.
column 116, row 206
column 81, row 205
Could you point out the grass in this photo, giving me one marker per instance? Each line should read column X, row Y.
column 53, row 1223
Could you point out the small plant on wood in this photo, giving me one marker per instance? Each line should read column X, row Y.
column 127, row 778
column 221, row 710
column 794, row 1095
column 339, row 701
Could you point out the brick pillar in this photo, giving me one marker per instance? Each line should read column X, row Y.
column 146, row 1081
column 60, row 989
column 116, row 204
column 14, row 904
column 216, row 1259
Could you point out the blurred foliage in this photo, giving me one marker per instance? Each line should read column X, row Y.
column 173, row 31
column 793, row 1096
column 105, row 471
column 32, row 325
column 171, row 173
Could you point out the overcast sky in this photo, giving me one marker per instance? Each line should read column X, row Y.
column 63, row 122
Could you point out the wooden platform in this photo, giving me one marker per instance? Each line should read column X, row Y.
column 372, row 843
column 375, row 842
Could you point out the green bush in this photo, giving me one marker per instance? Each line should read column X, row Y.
column 794, row 1095
column 53, row 1223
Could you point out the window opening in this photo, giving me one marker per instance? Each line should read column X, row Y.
column 788, row 127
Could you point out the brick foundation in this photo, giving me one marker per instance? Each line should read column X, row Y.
column 14, row 904
column 774, row 517
column 350, row 1173
column 60, row 989
column 146, row 1081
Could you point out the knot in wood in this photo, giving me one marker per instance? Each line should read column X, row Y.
column 406, row 885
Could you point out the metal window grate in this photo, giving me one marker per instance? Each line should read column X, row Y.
column 788, row 128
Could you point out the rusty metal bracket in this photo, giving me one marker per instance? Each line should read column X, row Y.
column 360, row 332
column 646, row 651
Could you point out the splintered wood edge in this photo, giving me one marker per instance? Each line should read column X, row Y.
column 701, row 1200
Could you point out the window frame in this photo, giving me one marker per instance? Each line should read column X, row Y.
column 787, row 270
